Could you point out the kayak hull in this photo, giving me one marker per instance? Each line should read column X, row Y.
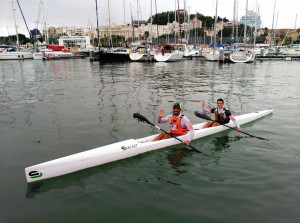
column 121, row 150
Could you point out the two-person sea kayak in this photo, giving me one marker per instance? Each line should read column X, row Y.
column 122, row 150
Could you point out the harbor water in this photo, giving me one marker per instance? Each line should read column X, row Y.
column 52, row 109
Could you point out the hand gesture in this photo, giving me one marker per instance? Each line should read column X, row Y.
column 161, row 113
column 203, row 103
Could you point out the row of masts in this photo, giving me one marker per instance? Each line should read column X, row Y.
column 138, row 9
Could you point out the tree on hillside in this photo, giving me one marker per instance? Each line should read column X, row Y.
column 164, row 17
column 13, row 39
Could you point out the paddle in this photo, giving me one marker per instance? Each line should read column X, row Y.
column 141, row 118
column 205, row 116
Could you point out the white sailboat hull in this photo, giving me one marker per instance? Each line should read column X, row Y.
column 138, row 56
column 292, row 52
column 242, row 57
column 169, row 56
column 16, row 55
column 121, row 150
column 213, row 55
column 50, row 55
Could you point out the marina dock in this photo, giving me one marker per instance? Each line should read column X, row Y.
column 278, row 57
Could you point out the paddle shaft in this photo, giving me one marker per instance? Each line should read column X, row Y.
column 240, row 131
column 173, row 136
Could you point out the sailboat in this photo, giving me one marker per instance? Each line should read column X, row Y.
column 292, row 50
column 243, row 54
column 18, row 53
column 170, row 52
column 110, row 54
column 214, row 54
column 142, row 52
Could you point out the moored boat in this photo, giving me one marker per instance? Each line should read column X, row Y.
column 242, row 55
column 213, row 55
column 52, row 55
column 16, row 55
column 53, row 52
column 142, row 54
column 168, row 53
column 191, row 51
column 122, row 150
column 108, row 55
column 292, row 50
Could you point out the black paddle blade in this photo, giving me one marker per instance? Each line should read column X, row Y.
column 141, row 118
column 202, row 115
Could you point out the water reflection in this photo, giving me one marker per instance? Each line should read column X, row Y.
column 28, row 96
column 74, row 180
column 6, row 110
column 221, row 143
column 177, row 157
column 17, row 91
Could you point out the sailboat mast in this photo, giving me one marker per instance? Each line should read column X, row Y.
column 255, row 24
column 233, row 25
column 184, row 22
column 124, row 22
column 97, row 25
column 151, row 23
column 195, row 30
column 271, row 37
column 245, row 26
column 237, row 22
column 215, row 28
column 24, row 19
column 180, row 35
column 138, row 19
column 175, row 33
column 156, row 18
column 133, row 35
column 169, row 26
column 46, row 18
column 18, row 43
column 109, row 22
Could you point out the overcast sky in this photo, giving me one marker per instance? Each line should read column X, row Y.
column 82, row 13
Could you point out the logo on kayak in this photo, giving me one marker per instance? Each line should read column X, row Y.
column 129, row 147
column 35, row 174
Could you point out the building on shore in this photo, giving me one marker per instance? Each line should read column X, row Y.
column 79, row 41
column 252, row 19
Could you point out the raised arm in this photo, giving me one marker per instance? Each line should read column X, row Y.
column 203, row 109
column 161, row 118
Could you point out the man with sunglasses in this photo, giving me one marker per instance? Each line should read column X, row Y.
column 179, row 125
column 222, row 115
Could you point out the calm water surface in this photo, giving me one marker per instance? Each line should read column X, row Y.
column 57, row 108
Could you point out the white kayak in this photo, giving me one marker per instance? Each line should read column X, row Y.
column 122, row 150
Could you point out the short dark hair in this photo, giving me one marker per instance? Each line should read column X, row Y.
column 177, row 105
column 220, row 99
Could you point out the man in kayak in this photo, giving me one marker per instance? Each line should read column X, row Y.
column 179, row 125
column 222, row 115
